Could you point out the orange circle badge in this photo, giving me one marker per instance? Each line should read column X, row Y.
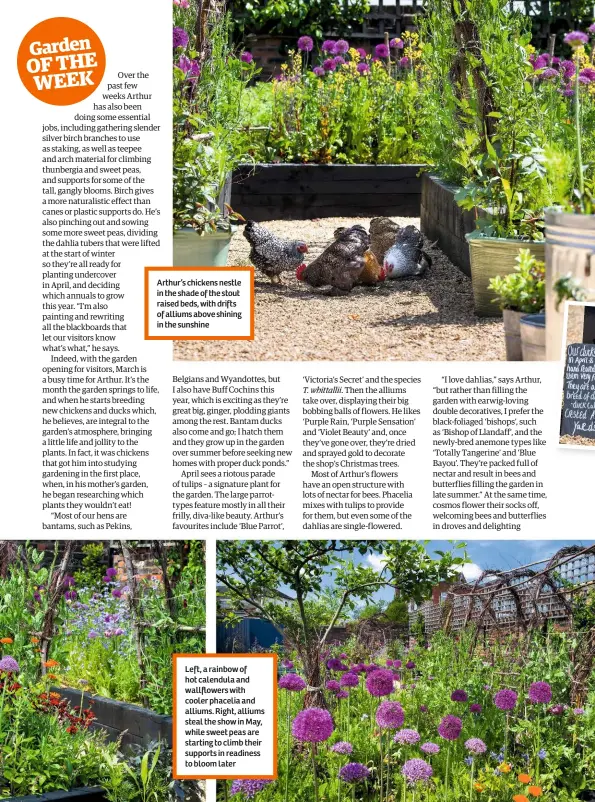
column 61, row 61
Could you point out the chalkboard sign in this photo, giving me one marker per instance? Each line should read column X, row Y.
column 578, row 412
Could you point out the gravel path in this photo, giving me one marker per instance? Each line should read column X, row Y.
column 570, row 440
column 408, row 320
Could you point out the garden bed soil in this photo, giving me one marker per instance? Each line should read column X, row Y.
column 136, row 725
column 94, row 794
column 417, row 319
column 304, row 191
column 444, row 222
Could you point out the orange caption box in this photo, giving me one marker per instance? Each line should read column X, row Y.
column 247, row 268
column 273, row 776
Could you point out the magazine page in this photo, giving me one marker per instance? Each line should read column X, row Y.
column 299, row 304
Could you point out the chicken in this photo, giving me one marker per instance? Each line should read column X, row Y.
column 373, row 273
column 407, row 256
column 271, row 254
column 383, row 234
column 341, row 264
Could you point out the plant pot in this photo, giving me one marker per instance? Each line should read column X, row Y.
column 193, row 250
column 491, row 257
column 94, row 794
column 512, row 335
column 533, row 338
column 569, row 249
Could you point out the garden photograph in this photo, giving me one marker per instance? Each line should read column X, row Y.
column 87, row 633
column 419, row 670
column 410, row 182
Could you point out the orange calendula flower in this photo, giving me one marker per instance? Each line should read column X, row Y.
column 34, row 640
column 52, row 676
column 478, row 787
column 504, row 768
column 519, row 798
column 6, row 640
column 51, row 664
column 535, row 790
column 524, row 778
column 54, row 695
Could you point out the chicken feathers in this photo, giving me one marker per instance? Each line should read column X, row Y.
column 407, row 256
column 340, row 265
column 271, row 254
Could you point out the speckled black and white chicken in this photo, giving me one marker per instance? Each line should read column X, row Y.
column 271, row 254
column 383, row 235
column 407, row 256
column 341, row 263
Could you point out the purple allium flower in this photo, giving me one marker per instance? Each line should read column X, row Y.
column 9, row 665
column 430, row 748
column 396, row 44
column 341, row 695
column 556, row 61
column 342, row 748
column 541, row 61
column 313, row 725
column 591, row 28
column 579, row 711
column 450, row 728
column 381, row 51
column 329, row 46
column 354, row 772
column 410, row 665
column 349, row 680
column 248, row 788
column 389, row 662
column 397, row 664
column 319, row 71
column 459, row 696
column 246, row 57
column 588, row 73
column 338, row 61
column 506, row 699
column 363, row 68
column 343, row 656
column 423, row 708
column 475, row 708
column 112, row 573
column 117, row 632
column 380, row 682
column 407, row 737
column 540, row 693
column 292, row 682
column 305, row 43
column 329, row 64
column 341, row 46
column 286, row 664
column 556, row 710
column 404, row 62
column 334, row 664
column 333, row 685
column 568, row 92
column 576, row 39
column 390, row 715
column 476, row 746
column 568, row 68
column 180, row 39
column 362, row 52
column 117, row 593
column 548, row 74
column 416, row 770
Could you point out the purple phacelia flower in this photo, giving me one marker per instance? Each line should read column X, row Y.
column 407, row 737
column 459, row 696
column 305, row 43
column 476, row 746
column 9, row 665
column 342, row 748
column 390, row 715
column 381, row 51
column 341, row 46
column 329, row 46
column 349, row 680
column 430, row 748
column 540, row 693
column 248, row 788
column 192, row 70
column 312, row 725
column 380, row 682
column 416, row 770
column 292, row 682
column 180, row 39
column 92, row 634
column 576, row 39
column 506, row 699
column 450, row 728
column 70, row 595
column 396, row 44
column 354, row 772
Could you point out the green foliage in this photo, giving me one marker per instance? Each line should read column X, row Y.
column 569, row 288
column 91, row 574
column 523, row 290
column 315, row 18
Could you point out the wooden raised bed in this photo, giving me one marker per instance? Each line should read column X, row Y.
column 305, row 191
column 443, row 221
column 83, row 794
column 134, row 724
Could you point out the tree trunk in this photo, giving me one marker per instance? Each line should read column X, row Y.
column 314, row 696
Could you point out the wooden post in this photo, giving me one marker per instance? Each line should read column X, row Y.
column 551, row 45
column 169, row 596
column 134, row 606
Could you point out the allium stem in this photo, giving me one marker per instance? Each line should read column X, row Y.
column 577, row 124
column 447, row 772
column 381, row 768
column 471, row 786
column 287, row 745
column 314, row 773
column 2, row 705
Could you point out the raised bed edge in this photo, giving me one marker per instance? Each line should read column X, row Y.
column 94, row 794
